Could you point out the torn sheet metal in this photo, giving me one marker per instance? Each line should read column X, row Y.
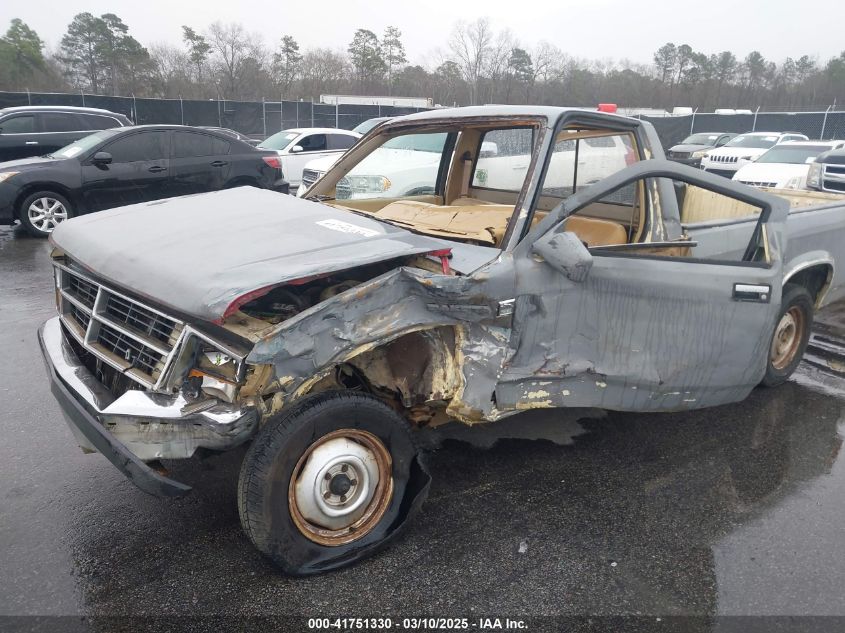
column 307, row 347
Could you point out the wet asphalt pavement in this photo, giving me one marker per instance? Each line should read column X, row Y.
column 730, row 511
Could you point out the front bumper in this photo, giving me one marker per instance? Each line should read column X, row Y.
column 138, row 425
column 692, row 162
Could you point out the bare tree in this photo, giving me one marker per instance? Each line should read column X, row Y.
column 235, row 51
column 496, row 64
column 323, row 70
column 470, row 44
column 171, row 77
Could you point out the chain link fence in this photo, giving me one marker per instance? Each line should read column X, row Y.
column 260, row 119
column 257, row 119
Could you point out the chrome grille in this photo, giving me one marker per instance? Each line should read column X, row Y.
column 140, row 319
column 724, row 159
column 138, row 355
column 758, row 183
column 310, row 176
column 82, row 290
column 131, row 337
column 80, row 317
column 833, row 178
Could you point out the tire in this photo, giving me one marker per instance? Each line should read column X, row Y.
column 312, row 446
column 790, row 336
column 42, row 211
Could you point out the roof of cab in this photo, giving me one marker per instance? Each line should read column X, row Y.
column 551, row 113
column 56, row 108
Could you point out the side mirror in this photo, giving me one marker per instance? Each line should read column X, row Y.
column 563, row 251
column 296, row 149
column 101, row 158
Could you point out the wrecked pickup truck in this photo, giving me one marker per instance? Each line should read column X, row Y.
column 327, row 330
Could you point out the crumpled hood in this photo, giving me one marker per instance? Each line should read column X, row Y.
column 197, row 254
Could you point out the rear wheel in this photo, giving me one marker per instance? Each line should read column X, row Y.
column 328, row 481
column 43, row 211
column 790, row 336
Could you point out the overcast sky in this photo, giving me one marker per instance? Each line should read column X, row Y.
column 594, row 29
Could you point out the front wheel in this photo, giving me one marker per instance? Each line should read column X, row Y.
column 328, row 481
column 43, row 211
column 790, row 336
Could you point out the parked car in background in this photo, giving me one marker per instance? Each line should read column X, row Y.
column 297, row 146
column 314, row 169
column 121, row 166
column 232, row 133
column 37, row 130
column 691, row 150
column 785, row 166
column 827, row 173
column 744, row 148
column 365, row 126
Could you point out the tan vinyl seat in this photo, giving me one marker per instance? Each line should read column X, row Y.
column 486, row 222
column 595, row 232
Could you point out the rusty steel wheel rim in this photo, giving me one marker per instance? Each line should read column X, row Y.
column 341, row 487
column 787, row 338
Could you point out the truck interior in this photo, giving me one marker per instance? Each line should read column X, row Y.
column 477, row 181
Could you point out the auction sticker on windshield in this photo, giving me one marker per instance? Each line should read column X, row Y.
column 346, row 227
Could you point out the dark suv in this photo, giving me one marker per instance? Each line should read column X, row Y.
column 38, row 130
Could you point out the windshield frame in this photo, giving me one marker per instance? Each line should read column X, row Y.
column 323, row 190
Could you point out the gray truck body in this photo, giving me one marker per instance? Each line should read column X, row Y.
column 540, row 322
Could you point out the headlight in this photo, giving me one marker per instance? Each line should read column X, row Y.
column 368, row 184
column 747, row 158
column 702, row 153
column 214, row 373
column 814, row 176
column 213, row 362
column 5, row 175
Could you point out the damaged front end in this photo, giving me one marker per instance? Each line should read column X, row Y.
column 160, row 387
column 428, row 343
column 148, row 384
